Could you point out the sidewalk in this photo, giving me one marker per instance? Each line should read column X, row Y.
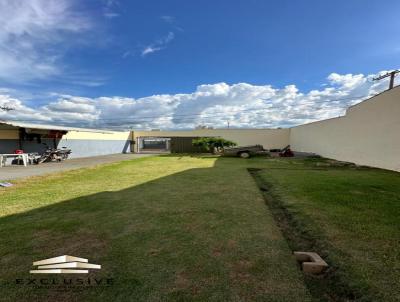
column 14, row 171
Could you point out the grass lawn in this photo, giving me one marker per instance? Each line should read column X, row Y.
column 181, row 228
column 164, row 228
column 353, row 214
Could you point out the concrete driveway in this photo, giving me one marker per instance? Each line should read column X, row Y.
column 15, row 171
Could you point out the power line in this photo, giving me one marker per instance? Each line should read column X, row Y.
column 192, row 116
column 224, row 112
column 124, row 123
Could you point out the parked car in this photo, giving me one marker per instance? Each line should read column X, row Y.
column 245, row 151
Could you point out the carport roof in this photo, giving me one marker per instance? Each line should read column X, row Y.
column 49, row 127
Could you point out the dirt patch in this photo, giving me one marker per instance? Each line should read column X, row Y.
column 153, row 252
column 326, row 287
column 232, row 243
column 181, row 281
column 217, row 252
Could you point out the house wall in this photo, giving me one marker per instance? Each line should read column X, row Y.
column 367, row 135
column 8, row 141
column 269, row 138
column 82, row 143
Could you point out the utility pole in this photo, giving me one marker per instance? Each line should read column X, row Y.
column 391, row 74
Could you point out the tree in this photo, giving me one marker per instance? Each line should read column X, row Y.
column 213, row 144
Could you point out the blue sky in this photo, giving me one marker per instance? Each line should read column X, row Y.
column 102, row 55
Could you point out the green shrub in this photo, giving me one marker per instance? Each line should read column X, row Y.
column 213, row 144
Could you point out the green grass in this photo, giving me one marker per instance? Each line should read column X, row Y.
column 164, row 228
column 174, row 228
column 354, row 213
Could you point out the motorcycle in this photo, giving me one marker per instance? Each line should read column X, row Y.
column 53, row 154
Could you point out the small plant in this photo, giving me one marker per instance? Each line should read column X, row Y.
column 213, row 144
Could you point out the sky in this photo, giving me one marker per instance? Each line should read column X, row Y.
column 175, row 64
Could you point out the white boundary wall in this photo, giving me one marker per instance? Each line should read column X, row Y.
column 369, row 133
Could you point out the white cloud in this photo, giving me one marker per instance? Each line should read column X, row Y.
column 110, row 15
column 168, row 19
column 159, row 44
column 21, row 111
column 242, row 105
column 150, row 49
column 110, row 9
column 33, row 35
column 77, row 105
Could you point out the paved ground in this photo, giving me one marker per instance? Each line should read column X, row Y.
column 14, row 171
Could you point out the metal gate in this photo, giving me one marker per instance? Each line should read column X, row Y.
column 184, row 145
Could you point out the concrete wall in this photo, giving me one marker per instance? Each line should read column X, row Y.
column 269, row 138
column 369, row 133
column 85, row 148
column 82, row 143
column 85, row 144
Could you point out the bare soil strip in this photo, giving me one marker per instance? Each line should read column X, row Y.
column 328, row 286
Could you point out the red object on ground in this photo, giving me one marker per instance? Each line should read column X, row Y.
column 18, row 151
column 286, row 152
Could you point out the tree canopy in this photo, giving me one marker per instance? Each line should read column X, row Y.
column 213, row 144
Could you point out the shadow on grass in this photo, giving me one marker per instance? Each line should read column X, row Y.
column 201, row 234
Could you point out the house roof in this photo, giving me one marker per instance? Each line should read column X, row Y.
column 49, row 127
